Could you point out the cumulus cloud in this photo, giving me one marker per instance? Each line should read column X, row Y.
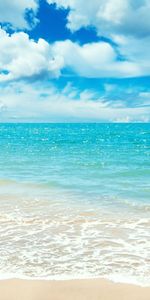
column 22, row 57
column 109, row 17
column 95, row 60
column 126, row 23
column 24, row 102
column 136, row 51
column 14, row 11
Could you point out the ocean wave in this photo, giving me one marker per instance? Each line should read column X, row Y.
column 58, row 242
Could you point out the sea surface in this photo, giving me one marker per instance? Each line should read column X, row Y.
column 75, row 201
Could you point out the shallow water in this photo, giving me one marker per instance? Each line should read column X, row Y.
column 75, row 201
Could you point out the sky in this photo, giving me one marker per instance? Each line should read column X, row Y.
column 75, row 61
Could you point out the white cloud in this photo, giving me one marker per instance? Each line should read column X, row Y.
column 136, row 51
column 23, row 57
column 94, row 60
column 24, row 102
column 125, row 22
column 109, row 17
column 13, row 12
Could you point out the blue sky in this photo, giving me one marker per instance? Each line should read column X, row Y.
column 64, row 61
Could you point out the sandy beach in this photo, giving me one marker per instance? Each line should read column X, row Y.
column 94, row 289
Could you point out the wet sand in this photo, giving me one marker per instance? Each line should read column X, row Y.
column 93, row 289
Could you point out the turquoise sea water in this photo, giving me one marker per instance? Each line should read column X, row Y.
column 75, row 201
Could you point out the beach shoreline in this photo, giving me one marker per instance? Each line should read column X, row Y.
column 85, row 289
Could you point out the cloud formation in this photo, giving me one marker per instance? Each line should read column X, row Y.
column 24, row 102
column 27, row 65
column 13, row 12
column 109, row 17
column 125, row 23
column 95, row 60
column 21, row 57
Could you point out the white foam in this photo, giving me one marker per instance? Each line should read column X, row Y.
column 46, row 241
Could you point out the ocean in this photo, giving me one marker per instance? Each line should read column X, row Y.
column 75, row 201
